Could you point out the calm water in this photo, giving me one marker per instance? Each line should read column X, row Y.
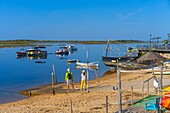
column 24, row 73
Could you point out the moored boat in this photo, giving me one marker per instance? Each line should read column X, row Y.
column 21, row 53
column 69, row 47
column 90, row 64
column 112, row 60
column 164, row 73
column 36, row 52
column 72, row 61
column 62, row 52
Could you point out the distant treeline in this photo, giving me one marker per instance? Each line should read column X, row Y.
column 13, row 43
column 69, row 41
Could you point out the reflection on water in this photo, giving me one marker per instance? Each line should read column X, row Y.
column 37, row 57
column 24, row 72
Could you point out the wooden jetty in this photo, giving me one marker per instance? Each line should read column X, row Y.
column 157, row 50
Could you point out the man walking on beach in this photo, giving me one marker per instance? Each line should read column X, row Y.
column 69, row 79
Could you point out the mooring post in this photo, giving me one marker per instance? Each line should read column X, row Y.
column 55, row 76
column 143, row 85
column 53, row 83
column 119, row 91
column 71, row 108
column 96, row 76
column 106, row 104
column 148, row 87
column 131, row 95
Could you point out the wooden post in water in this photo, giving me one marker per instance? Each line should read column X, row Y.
column 106, row 104
column 53, row 83
column 55, row 77
column 71, row 107
column 119, row 91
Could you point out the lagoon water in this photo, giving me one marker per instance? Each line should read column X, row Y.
column 18, row 74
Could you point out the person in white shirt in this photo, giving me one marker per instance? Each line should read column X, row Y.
column 83, row 80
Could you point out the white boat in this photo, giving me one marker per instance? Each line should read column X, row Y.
column 154, row 68
column 85, row 67
column 72, row 61
column 90, row 64
column 164, row 73
column 69, row 47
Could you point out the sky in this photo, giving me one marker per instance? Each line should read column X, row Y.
column 84, row 19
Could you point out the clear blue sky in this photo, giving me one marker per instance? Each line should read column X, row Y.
column 84, row 19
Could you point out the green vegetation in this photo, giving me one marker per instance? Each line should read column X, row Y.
column 165, row 41
column 15, row 43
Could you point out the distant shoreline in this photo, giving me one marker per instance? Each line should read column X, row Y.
column 22, row 43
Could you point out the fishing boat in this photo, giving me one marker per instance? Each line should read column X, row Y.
column 85, row 67
column 36, row 52
column 62, row 52
column 21, row 53
column 72, row 61
column 90, row 64
column 69, row 47
column 112, row 61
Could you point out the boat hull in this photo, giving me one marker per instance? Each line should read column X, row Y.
column 112, row 61
column 164, row 73
column 87, row 64
column 21, row 53
column 34, row 52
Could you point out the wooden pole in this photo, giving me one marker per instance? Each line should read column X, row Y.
column 143, row 85
column 87, row 80
column 131, row 95
column 97, row 76
column 148, row 87
column 53, row 83
column 119, row 91
column 71, row 108
column 87, row 72
column 106, row 104
column 161, row 78
column 55, row 77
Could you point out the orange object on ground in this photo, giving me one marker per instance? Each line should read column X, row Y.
column 166, row 102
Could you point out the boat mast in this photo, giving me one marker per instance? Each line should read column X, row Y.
column 107, row 47
column 87, row 55
column 87, row 70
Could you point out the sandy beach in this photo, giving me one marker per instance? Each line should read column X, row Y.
column 93, row 101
